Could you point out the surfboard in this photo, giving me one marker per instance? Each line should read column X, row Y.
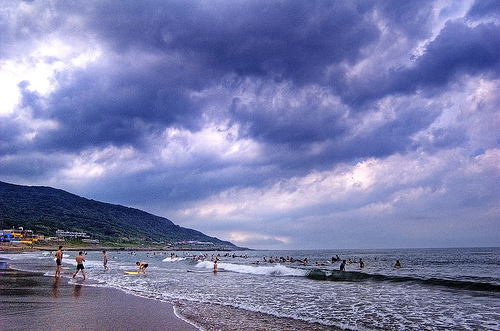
column 200, row 271
column 132, row 272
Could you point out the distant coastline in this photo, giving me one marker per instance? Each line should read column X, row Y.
column 48, row 216
column 19, row 248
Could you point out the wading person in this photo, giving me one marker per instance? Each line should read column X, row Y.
column 79, row 265
column 59, row 255
column 105, row 260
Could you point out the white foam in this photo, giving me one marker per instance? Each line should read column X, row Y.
column 175, row 259
column 273, row 270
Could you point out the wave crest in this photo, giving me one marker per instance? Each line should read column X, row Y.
column 354, row 276
column 274, row 270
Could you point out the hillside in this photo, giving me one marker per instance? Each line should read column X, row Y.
column 45, row 210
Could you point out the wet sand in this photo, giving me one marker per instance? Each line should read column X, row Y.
column 30, row 301
column 232, row 319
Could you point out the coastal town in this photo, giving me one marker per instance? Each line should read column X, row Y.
column 25, row 236
column 20, row 238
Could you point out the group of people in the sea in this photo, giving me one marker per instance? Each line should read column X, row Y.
column 345, row 262
column 282, row 259
column 214, row 258
column 275, row 259
column 305, row 261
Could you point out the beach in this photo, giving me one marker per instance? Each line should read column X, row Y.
column 31, row 301
column 434, row 289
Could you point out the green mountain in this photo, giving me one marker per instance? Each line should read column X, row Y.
column 45, row 210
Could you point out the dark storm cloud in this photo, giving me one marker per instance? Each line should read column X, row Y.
column 457, row 50
column 414, row 17
column 394, row 136
column 242, row 115
column 9, row 134
column 452, row 137
column 114, row 102
column 294, row 121
column 484, row 8
column 293, row 39
column 164, row 50
column 104, row 105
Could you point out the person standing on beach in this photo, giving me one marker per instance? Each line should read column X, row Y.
column 59, row 255
column 79, row 265
column 105, row 260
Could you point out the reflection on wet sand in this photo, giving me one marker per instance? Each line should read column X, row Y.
column 77, row 290
column 55, row 288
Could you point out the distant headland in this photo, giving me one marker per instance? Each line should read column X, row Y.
column 38, row 217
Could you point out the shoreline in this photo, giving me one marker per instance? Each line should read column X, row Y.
column 31, row 299
column 41, row 299
column 19, row 248
column 202, row 314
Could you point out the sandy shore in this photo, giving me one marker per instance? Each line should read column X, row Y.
column 30, row 301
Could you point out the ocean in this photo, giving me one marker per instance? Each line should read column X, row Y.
column 435, row 289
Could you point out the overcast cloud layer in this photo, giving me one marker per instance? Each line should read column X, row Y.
column 272, row 124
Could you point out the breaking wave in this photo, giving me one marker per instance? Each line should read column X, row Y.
column 353, row 276
column 272, row 270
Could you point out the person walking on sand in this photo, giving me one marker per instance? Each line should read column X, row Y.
column 105, row 260
column 79, row 265
column 59, row 255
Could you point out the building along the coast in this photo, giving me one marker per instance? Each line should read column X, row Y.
column 70, row 234
column 19, row 235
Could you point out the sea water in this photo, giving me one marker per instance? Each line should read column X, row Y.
column 435, row 289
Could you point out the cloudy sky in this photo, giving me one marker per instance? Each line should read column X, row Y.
column 272, row 124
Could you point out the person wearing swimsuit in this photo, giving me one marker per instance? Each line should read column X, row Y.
column 59, row 255
column 79, row 265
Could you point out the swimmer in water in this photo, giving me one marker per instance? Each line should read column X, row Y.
column 342, row 266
